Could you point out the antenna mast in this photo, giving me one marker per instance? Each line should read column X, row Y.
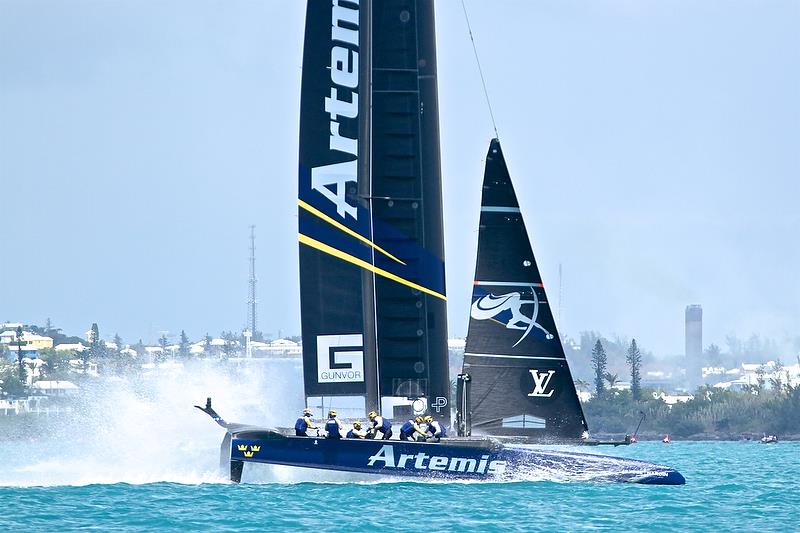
column 251, row 300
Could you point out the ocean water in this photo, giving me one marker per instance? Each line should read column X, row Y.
column 139, row 457
column 730, row 487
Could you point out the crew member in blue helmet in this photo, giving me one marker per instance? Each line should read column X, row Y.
column 357, row 432
column 304, row 423
column 435, row 431
column 412, row 430
column 379, row 425
column 333, row 427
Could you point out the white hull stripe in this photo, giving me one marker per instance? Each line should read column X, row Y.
column 508, row 283
column 515, row 356
column 494, row 209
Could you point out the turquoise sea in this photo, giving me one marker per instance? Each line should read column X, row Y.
column 730, row 486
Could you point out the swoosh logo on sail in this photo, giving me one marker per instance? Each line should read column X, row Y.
column 493, row 302
column 511, row 302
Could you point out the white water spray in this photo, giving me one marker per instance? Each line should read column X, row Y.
column 147, row 430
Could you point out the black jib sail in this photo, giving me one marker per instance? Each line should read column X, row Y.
column 370, row 219
column 519, row 380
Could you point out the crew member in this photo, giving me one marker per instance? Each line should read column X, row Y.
column 357, row 432
column 333, row 427
column 379, row 425
column 412, row 430
column 304, row 423
column 435, row 431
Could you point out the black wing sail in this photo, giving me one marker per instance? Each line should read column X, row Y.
column 370, row 218
column 406, row 204
column 520, row 380
column 333, row 220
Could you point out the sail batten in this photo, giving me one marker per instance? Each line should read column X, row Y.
column 519, row 377
column 498, row 355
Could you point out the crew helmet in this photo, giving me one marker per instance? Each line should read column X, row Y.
column 372, row 414
column 428, row 419
column 418, row 420
column 332, row 412
column 357, row 424
column 307, row 411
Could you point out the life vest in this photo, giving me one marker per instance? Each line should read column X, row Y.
column 301, row 425
column 407, row 428
column 351, row 435
column 435, row 427
column 385, row 426
column 332, row 427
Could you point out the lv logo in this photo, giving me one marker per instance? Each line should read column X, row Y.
column 541, row 380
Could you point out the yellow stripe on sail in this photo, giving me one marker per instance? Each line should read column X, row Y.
column 308, row 241
column 316, row 212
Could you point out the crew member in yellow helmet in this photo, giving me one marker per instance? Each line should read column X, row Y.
column 380, row 426
column 304, row 423
column 333, row 427
column 357, row 432
column 434, row 429
column 412, row 430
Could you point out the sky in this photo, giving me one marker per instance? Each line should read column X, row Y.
column 654, row 146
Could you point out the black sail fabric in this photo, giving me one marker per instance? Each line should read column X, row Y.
column 407, row 203
column 330, row 211
column 370, row 219
column 521, row 383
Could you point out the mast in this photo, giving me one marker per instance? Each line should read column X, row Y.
column 251, row 300
column 365, row 192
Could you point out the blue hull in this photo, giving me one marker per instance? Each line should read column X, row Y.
column 457, row 459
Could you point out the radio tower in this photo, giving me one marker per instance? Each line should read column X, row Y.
column 251, row 300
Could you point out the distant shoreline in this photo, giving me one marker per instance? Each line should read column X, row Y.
column 32, row 426
column 702, row 437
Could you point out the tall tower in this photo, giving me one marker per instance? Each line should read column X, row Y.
column 251, row 299
column 694, row 343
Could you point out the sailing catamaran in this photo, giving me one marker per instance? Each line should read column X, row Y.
column 372, row 281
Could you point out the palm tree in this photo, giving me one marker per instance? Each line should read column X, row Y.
column 612, row 379
column 582, row 385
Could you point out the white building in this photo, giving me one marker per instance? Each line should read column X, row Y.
column 748, row 376
column 55, row 388
column 279, row 348
column 672, row 399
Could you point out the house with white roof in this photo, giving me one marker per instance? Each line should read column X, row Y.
column 55, row 388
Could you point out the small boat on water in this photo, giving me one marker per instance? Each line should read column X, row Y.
column 372, row 287
column 769, row 439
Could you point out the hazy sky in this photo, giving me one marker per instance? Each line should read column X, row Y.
column 655, row 147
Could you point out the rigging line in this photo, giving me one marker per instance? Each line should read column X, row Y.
column 480, row 70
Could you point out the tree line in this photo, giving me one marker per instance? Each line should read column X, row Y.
column 712, row 412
